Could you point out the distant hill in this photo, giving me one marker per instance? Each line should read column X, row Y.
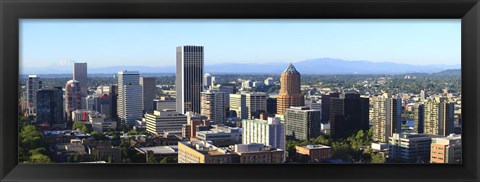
column 311, row 66
column 450, row 72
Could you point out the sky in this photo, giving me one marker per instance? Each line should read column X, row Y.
column 129, row 42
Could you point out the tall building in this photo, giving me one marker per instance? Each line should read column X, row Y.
column 269, row 132
column 213, row 106
column 189, row 78
column 418, row 118
column 386, row 117
column 410, row 147
column 423, row 95
column 50, row 106
column 164, row 121
column 33, row 85
column 207, row 81
column 348, row 114
column 148, row 92
column 446, row 149
column 73, row 97
column 227, row 89
column 247, row 105
column 302, row 122
column 80, row 74
column 290, row 93
column 326, row 106
column 113, row 93
column 272, row 106
column 438, row 117
column 129, row 102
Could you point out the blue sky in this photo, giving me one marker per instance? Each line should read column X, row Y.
column 103, row 43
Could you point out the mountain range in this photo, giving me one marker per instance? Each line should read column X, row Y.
column 310, row 66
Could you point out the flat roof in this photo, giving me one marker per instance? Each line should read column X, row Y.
column 172, row 149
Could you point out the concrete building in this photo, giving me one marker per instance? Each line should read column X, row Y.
column 202, row 152
column 189, row 130
column 129, row 102
column 33, row 85
column 446, row 149
column 212, row 106
column 221, row 137
column 207, row 81
column 73, row 98
column 80, row 74
column 158, row 152
column 189, row 78
column 149, row 89
column 438, row 117
column 247, row 105
column 302, row 122
column 227, row 89
column 100, row 123
column 50, row 106
column 290, row 93
column 164, row 103
column 410, row 147
column 269, row 132
column 255, row 153
column 386, row 117
column 81, row 115
column 269, row 81
column 418, row 118
column 164, row 121
column 314, row 153
column 326, row 106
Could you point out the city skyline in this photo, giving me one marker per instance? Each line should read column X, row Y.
column 104, row 43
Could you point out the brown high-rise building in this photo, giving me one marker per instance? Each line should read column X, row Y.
column 290, row 93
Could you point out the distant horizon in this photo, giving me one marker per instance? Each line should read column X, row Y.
column 106, row 43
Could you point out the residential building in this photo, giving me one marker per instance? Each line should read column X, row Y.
column 207, row 81
column 189, row 78
column 438, row 117
column 418, row 118
column 386, row 117
column 212, row 106
column 247, row 105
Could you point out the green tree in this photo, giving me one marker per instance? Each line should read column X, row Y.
column 164, row 160
column 30, row 138
column 378, row 158
column 40, row 158
column 98, row 136
column 80, row 125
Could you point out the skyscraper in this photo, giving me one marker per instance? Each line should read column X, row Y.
column 129, row 102
column 189, row 78
column 290, row 93
column 207, row 81
column 212, row 106
column 148, row 92
column 73, row 97
column 302, row 122
column 33, row 84
column 386, row 117
column 326, row 106
column 348, row 114
column 50, row 106
column 80, row 74
column 418, row 118
column 438, row 117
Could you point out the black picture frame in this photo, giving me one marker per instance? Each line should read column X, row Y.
column 13, row 10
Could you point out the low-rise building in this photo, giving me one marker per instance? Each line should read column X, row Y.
column 410, row 147
column 314, row 153
column 446, row 149
column 202, row 152
column 163, row 121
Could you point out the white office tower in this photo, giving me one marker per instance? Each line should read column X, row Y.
column 247, row 105
column 33, row 85
column 213, row 106
column 129, row 102
column 148, row 92
column 269, row 132
column 207, row 81
column 189, row 78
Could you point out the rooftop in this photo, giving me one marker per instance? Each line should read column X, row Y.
column 173, row 149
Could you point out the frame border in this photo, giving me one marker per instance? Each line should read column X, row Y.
column 13, row 10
